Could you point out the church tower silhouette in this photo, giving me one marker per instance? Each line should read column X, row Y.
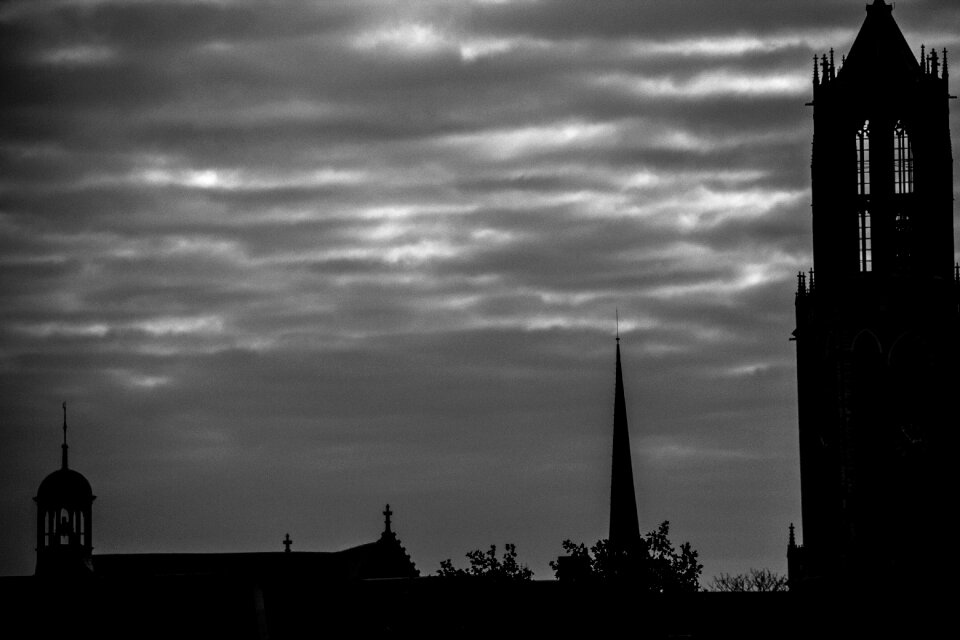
column 64, row 519
column 624, row 524
column 877, row 321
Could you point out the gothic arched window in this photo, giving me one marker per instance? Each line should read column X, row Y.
column 904, row 239
column 864, row 243
column 902, row 161
column 863, row 159
column 866, row 247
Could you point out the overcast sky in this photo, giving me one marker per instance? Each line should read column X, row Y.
column 290, row 261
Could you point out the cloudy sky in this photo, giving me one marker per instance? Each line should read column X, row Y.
column 290, row 261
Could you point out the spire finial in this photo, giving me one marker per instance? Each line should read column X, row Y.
column 63, row 447
column 386, row 522
column 816, row 74
column 793, row 539
column 286, row 543
column 617, row 312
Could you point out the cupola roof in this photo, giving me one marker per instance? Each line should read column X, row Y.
column 64, row 486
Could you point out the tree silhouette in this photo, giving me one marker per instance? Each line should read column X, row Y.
column 651, row 563
column 754, row 580
column 487, row 565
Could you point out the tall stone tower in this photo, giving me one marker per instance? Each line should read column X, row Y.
column 878, row 318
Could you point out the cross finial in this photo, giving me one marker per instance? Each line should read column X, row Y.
column 387, row 513
column 286, row 543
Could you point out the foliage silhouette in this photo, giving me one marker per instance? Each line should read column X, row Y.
column 488, row 566
column 652, row 563
column 754, row 580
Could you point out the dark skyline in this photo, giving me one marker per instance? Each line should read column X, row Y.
column 289, row 262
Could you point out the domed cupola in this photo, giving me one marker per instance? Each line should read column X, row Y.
column 64, row 525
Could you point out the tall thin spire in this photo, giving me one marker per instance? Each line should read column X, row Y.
column 624, row 524
column 63, row 447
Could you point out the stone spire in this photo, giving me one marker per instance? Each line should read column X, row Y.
column 624, row 524
column 880, row 54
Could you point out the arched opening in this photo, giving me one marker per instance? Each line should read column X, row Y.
column 903, row 227
column 902, row 186
column 65, row 529
column 47, row 528
column 864, row 233
column 864, row 240
column 902, row 160
column 863, row 159
column 913, row 381
column 916, row 413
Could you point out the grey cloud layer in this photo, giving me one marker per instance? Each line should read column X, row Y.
column 348, row 253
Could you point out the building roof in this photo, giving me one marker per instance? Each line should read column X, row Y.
column 65, row 486
column 880, row 54
column 381, row 559
column 384, row 558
